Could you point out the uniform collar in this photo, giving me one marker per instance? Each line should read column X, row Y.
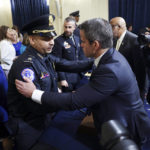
column 36, row 53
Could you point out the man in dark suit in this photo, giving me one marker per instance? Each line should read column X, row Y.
column 126, row 43
column 29, row 120
column 112, row 92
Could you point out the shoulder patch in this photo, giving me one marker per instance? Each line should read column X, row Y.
column 28, row 73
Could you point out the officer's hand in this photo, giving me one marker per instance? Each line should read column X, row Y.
column 64, row 83
column 25, row 88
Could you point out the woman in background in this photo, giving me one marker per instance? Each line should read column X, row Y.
column 20, row 36
column 7, row 51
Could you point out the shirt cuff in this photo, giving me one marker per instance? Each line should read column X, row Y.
column 37, row 95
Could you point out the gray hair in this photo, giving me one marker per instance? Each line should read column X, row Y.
column 70, row 19
column 98, row 29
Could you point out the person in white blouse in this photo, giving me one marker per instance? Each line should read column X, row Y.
column 7, row 51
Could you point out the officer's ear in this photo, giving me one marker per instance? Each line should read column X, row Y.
column 31, row 40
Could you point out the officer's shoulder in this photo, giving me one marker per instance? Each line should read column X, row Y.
column 25, row 58
column 29, row 59
column 59, row 38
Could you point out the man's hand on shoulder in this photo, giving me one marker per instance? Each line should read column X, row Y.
column 25, row 88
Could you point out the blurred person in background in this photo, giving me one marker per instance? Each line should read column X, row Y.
column 76, row 16
column 4, row 133
column 7, row 51
column 20, row 36
column 19, row 47
column 126, row 43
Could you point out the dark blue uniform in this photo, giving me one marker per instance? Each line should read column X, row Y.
column 66, row 48
column 30, row 119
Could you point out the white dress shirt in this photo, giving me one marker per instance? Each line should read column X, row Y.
column 119, row 41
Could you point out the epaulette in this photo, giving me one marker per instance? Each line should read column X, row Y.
column 29, row 59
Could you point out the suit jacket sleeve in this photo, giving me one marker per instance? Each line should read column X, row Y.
column 71, row 66
column 103, row 83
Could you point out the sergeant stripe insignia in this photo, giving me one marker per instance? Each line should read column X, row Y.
column 28, row 73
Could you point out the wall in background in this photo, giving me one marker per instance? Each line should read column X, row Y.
column 5, row 13
column 88, row 9
column 61, row 9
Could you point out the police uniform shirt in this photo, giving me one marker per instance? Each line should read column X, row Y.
column 31, row 65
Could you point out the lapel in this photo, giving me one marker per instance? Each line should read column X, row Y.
column 52, row 72
column 124, row 42
column 76, row 40
column 106, row 56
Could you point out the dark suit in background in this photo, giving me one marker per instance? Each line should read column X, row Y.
column 128, row 48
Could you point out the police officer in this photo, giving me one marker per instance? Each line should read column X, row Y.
column 76, row 15
column 28, row 119
column 67, row 46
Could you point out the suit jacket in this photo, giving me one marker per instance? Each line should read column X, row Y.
column 129, row 41
column 112, row 93
column 65, row 48
column 130, row 49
